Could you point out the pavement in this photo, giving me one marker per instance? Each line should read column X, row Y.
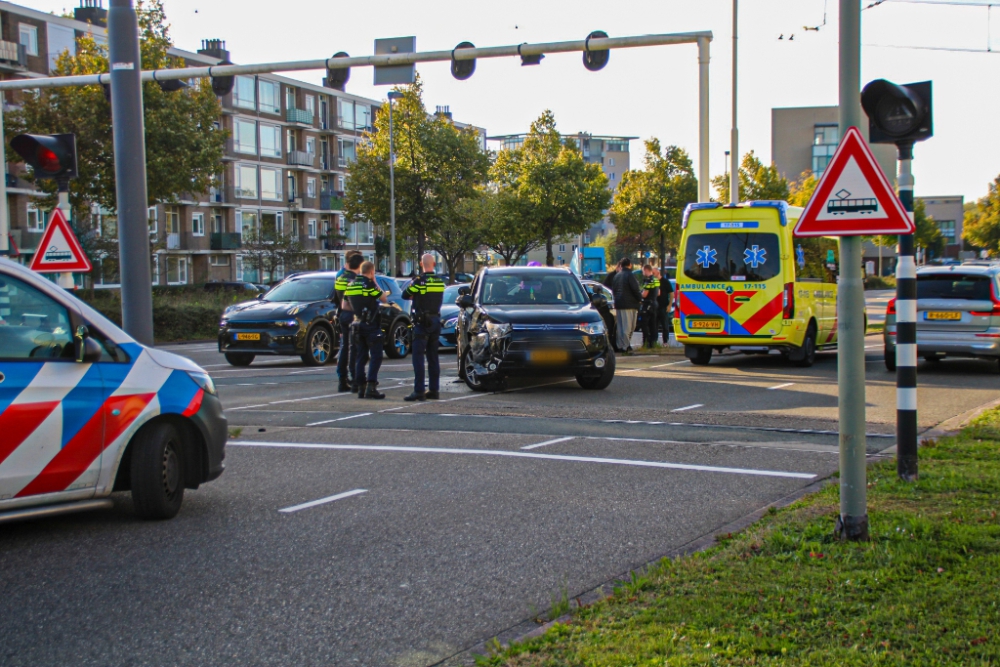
column 358, row 532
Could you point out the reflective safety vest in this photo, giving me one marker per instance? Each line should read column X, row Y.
column 427, row 293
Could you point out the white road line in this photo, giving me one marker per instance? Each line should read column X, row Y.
column 872, row 347
column 781, row 386
column 322, row 501
column 311, row 370
column 247, row 407
column 530, row 455
column 674, row 363
column 310, row 398
column 340, row 419
column 549, row 442
column 689, row 407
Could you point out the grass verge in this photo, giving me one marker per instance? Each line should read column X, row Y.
column 923, row 591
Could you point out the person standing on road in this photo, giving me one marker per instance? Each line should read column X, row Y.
column 663, row 306
column 650, row 306
column 609, row 279
column 628, row 298
column 426, row 292
column 347, row 355
column 365, row 295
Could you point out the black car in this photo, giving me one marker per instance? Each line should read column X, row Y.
column 299, row 317
column 234, row 286
column 521, row 321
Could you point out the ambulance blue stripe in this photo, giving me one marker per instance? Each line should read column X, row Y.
column 17, row 376
column 709, row 307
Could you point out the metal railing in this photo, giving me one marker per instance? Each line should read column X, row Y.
column 331, row 201
column 13, row 53
column 225, row 241
column 301, row 158
column 294, row 115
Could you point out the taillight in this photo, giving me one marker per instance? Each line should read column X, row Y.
column 788, row 301
column 890, row 308
column 996, row 305
column 677, row 303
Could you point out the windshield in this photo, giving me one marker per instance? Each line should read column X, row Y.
column 303, row 289
column 733, row 256
column 970, row 288
column 451, row 293
column 533, row 288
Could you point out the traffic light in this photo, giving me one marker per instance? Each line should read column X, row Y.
column 338, row 78
column 223, row 85
column 50, row 155
column 598, row 58
column 463, row 69
column 898, row 114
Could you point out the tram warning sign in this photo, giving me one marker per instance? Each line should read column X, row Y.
column 59, row 250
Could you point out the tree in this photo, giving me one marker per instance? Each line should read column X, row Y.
column 508, row 231
column 757, row 182
column 982, row 221
column 649, row 204
column 271, row 251
column 928, row 236
column 461, row 231
column 801, row 191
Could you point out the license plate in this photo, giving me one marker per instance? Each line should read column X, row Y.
column 943, row 315
column 248, row 336
column 705, row 324
column 549, row 356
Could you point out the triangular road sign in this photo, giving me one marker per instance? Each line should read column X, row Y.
column 854, row 198
column 59, row 251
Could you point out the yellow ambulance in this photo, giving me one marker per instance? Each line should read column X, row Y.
column 745, row 283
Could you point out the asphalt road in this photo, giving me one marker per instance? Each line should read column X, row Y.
column 356, row 532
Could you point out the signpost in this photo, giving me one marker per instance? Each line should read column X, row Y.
column 59, row 251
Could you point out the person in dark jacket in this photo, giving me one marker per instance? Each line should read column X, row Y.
column 628, row 298
column 666, row 296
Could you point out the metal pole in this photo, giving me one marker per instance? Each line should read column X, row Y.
column 4, row 217
column 906, row 332
column 853, row 521
column 703, row 167
column 392, row 199
column 734, row 136
column 130, row 171
column 65, row 279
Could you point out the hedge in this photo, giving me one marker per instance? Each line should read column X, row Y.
column 182, row 314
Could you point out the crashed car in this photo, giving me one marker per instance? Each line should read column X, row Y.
column 531, row 321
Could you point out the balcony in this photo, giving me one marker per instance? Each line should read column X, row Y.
column 11, row 181
column 309, row 201
column 333, row 244
column 225, row 241
column 331, row 201
column 341, row 161
column 222, row 195
column 301, row 158
column 173, row 241
column 13, row 56
column 294, row 115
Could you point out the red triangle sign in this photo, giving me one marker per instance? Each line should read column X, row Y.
column 854, row 198
column 59, row 251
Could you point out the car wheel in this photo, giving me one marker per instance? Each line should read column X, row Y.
column 398, row 340
column 699, row 355
column 239, row 358
column 319, row 344
column 808, row 349
column 467, row 372
column 157, row 472
column 890, row 358
column 602, row 381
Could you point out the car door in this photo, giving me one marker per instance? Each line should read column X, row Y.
column 51, row 416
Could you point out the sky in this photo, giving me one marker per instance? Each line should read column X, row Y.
column 649, row 92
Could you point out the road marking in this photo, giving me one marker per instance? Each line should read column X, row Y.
column 689, row 407
column 675, row 363
column 323, row 501
column 311, row 370
column 872, row 347
column 340, row 419
column 530, row 455
column 549, row 442
column 781, row 386
column 247, row 407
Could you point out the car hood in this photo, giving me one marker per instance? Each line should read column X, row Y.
column 265, row 310
column 542, row 314
column 172, row 361
column 449, row 311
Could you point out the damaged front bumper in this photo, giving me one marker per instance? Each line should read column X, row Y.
column 538, row 351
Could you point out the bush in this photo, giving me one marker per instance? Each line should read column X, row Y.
column 880, row 282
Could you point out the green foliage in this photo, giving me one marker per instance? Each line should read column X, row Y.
column 928, row 235
column 505, row 231
column 267, row 251
column 982, row 221
column 757, row 182
column 179, row 313
column 801, row 191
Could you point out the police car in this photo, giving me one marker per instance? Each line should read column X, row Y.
column 86, row 410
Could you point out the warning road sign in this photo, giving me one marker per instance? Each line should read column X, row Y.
column 854, row 197
column 59, row 250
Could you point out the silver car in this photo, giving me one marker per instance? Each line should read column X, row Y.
column 958, row 313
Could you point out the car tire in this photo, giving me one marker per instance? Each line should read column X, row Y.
column 702, row 355
column 319, row 347
column 157, row 472
column 240, row 358
column 603, row 381
column 472, row 381
column 808, row 349
column 890, row 358
column 398, row 341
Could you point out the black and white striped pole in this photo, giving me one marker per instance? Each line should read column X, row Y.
column 906, row 330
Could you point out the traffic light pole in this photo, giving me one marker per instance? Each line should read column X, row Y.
column 906, row 331
column 130, row 171
column 4, row 216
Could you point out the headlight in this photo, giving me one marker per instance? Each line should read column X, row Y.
column 450, row 323
column 203, row 381
column 497, row 330
column 287, row 323
column 592, row 328
column 223, row 322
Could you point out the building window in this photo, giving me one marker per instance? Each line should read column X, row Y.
column 177, row 270
column 586, row 239
column 270, row 140
column 270, row 96
column 611, row 162
column 28, row 35
column 328, row 263
column 152, row 217
column 173, row 218
column 346, row 152
column 217, row 225
column 245, row 136
column 562, row 247
column 289, row 98
column 247, row 221
column 311, row 105
column 295, row 227
column 311, row 145
column 197, row 224
column 246, row 181
column 825, row 140
column 362, row 117
column 36, row 221
column 155, row 266
column 312, row 228
column 243, row 93
column 270, row 184
column 310, row 187
column 947, row 228
column 345, row 114
column 218, row 260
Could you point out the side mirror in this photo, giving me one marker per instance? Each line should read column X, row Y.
column 599, row 301
column 464, row 289
column 88, row 350
column 465, row 301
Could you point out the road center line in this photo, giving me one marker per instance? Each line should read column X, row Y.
column 340, row 419
column 689, row 407
column 780, row 386
column 529, row 455
column 323, row 501
column 549, row 442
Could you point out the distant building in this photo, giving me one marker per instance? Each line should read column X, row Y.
column 948, row 213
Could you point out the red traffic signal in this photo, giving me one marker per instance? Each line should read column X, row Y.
column 50, row 155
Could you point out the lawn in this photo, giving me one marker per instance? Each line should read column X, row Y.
column 925, row 590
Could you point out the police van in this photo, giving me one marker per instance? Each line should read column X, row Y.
column 86, row 410
column 744, row 282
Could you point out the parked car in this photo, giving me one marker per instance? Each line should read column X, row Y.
column 298, row 317
column 449, row 316
column 958, row 313
column 234, row 286
column 531, row 321
column 86, row 410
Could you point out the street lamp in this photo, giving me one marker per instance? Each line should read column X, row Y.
column 393, row 95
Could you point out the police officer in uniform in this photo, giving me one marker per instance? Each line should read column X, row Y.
column 426, row 292
column 364, row 296
column 650, row 306
column 348, row 355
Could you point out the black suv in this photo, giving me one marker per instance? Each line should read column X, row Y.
column 521, row 321
column 299, row 317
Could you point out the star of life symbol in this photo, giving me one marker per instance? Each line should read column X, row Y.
column 706, row 256
column 754, row 256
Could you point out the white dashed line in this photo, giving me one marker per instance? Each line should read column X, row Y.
column 689, row 407
column 781, row 386
column 322, row 501
column 340, row 419
column 549, row 442
column 674, row 363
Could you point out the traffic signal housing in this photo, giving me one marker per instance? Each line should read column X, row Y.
column 462, row 69
column 338, row 78
column 898, row 114
column 596, row 59
column 50, row 155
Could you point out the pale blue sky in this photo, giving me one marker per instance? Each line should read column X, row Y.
column 646, row 92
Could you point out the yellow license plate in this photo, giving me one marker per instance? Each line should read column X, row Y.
column 549, row 356
column 248, row 336
column 943, row 315
column 705, row 324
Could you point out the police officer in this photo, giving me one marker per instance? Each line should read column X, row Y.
column 348, row 355
column 650, row 306
column 426, row 291
column 662, row 313
column 364, row 296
